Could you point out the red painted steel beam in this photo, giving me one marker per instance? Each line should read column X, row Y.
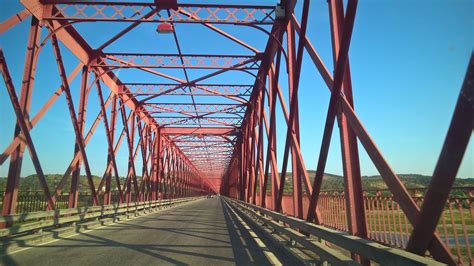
column 260, row 169
column 452, row 153
column 185, row 61
column 24, row 129
column 221, row 32
column 188, row 108
column 130, row 136
column 78, row 135
column 322, row 69
column 293, row 75
column 270, row 51
column 291, row 134
column 90, row 11
column 350, row 155
column 79, row 47
column 14, row 20
column 200, row 131
column 240, row 90
column 37, row 117
column 393, row 182
column 273, row 78
column 16, row 158
column 192, row 82
column 126, row 30
column 81, row 115
column 110, row 141
column 400, row 193
column 111, row 156
column 77, row 155
column 332, row 109
column 183, row 83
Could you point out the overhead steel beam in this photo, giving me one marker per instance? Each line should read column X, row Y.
column 121, row 11
column 200, row 131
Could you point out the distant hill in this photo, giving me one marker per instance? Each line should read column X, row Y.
column 330, row 182
column 31, row 182
column 336, row 182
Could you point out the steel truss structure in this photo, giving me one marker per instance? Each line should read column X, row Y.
column 228, row 143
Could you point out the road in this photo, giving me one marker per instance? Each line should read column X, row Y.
column 203, row 232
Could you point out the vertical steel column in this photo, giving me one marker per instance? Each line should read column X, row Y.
column 263, row 176
column 273, row 77
column 81, row 119
column 185, row 179
column 162, row 173
column 178, row 176
column 350, row 155
column 16, row 158
column 108, row 180
column 133, row 173
column 188, row 181
column 296, row 176
column 143, row 143
column 291, row 138
column 167, row 174
column 156, row 162
column 248, row 157
column 253, row 156
column 259, row 167
column 181, row 177
column 242, row 166
column 24, row 129
column 271, row 141
column 333, row 104
column 173, row 173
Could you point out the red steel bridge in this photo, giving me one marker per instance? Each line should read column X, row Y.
column 185, row 138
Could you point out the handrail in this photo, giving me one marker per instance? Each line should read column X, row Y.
column 366, row 248
column 25, row 222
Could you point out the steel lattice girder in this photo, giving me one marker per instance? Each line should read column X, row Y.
column 138, row 89
column 189, row 61
column 136, row 12
column 204, row 121
column 185, row 108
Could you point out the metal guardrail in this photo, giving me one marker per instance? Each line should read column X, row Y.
column 33, row 201
column 387, row 224
column 37, row 221
column 313, row 234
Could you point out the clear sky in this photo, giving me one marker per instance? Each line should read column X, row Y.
column 408, row 61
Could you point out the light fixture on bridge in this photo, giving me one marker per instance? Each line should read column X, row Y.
column 165, row 28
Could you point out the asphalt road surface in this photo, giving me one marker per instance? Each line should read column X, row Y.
column 204, row 232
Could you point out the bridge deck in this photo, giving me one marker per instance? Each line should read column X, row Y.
column 204, row 232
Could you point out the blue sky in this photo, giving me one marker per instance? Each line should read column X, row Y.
column 408, row 60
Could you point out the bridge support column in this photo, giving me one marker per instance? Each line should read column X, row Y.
column 81, row 118
column 296, row 171
column 350, row 154
column 16, row 158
